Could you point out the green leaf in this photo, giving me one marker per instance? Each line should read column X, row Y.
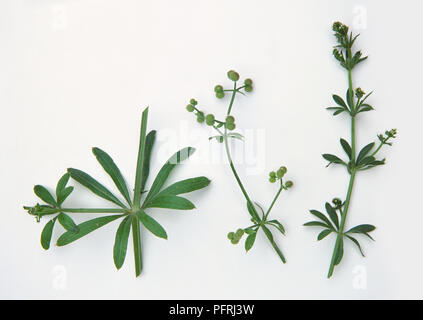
column 139, row 175
column 47, row 233
column 365, row 151
column 323, row 234
column 362, row 228
column 170, row 202
column 357, row 244
column 350, row 99
column 337, row 110
column 65, row 193
column 164, row 172
column 113, row 171
column 347, row 148
column 339, row 252
column 67, row 222
column 365, row 107
column 339, row 101
column 44, row 195
column 236, row 135
column 152, row 225
column 136, row 238
column 269, row 236
column 332, row 159
column 149, row 143
column 218, row 138
column 92, row 184
column 61, row 191
column 121, row 242
column 249, row 242
column 322, row 217
column 253, row 212
column 332, row 215
column 366, row 161
column 277, row 225
column 315, row 224
column 186, row 186
column 86, row 228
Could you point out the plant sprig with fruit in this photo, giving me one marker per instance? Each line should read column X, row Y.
column 355, row 104
column 131, row 210
column 225, row 131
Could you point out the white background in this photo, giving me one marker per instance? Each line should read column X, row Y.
column 76, row 74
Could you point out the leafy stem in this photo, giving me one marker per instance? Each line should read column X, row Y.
column 355, row 103
column 260, row 221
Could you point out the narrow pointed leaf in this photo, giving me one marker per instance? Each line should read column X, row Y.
column 339, row 252
column 323, row 234
column 332, row 215
column 277, row 225
column 67, row 222
column 61, row 194
column 365, row 151
column 44, row 195
column 269, row 236
column 47, row 233
column 249, row 242
column 121, row 242
column 113, row 171
column 165, row 171
column 92, row 184
column 322, row 217
column 139, row 175
column 333, row 159
column 86, row 228
column 186, row 186
column 315, row 224
column 152, row 225
column 253, row 212
column 149, row 143
column 350, row 99
column 339, row 101
column 170, row 202
column 347, row 148
column 362, row 228
column 357, row 244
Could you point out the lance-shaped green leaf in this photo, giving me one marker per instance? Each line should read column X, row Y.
column 113, row 171
column 140, row 160
column 347, row 148
column 165, row 171
column 339, row 101
column 356, row 243
column 339, row 252
column 322, row 217
column 67, row 222
column 62, row 192
column 152, row 225
column 85, row 228
column 333, row 159
column 336, row 110
column 249, row 242
column 277, row 225
column 350, row 99
column 253, row 212
column 362, row 228
column 170, row 202
column 332, row 215
column 92, row 184
column 47, row 233
column 269, row 236
column 185, row 186
column 365, row 151
column 315, row 224
column 45, row 195
column 121, row 241
column 323, row 234
column 149, row 143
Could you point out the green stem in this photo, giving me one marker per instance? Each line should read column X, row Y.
column 136, row 238
column 274, row 200
column 93, row 210
column 350, row 185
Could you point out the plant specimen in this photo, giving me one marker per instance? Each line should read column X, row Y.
column 131, row 210
column 355, row 104
column 225, row 132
